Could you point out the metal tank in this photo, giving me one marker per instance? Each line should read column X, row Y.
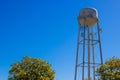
column 88, row 17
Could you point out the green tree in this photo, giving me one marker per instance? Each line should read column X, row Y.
column 110, row 70
column 31, row 69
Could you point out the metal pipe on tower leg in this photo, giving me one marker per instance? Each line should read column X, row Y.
column 88, row 53
column 83, row 54
column 93, row 58
column 98, row 28
column 77, row 52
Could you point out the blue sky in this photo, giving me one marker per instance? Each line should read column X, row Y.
column 47, row 29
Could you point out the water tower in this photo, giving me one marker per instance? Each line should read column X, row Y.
column 89, row 51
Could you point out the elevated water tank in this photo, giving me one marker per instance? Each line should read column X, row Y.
column 88, row 17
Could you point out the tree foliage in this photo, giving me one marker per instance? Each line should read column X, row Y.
column 31, row 69
column 110, row 70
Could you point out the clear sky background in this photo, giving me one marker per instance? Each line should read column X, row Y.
column 47, row 29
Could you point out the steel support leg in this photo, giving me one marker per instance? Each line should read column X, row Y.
column 83, row 54
column 88, row 53
column 77, row 52
column 93, row 58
